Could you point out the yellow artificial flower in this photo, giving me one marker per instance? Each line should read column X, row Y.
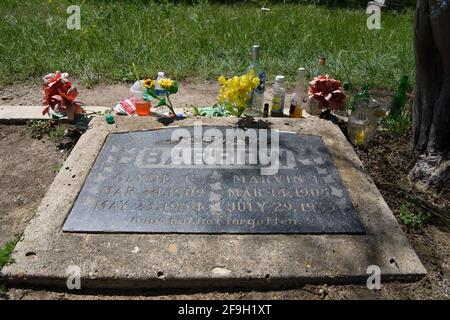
column 222, row 80
column 166, row 83
column 237, row 89
column 149, row 83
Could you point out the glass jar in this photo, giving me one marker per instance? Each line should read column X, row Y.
column 362, row 123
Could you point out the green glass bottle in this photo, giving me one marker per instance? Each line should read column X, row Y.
column 399, row 101
column 363, row 95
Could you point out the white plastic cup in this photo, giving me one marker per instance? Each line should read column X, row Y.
column 137, row 89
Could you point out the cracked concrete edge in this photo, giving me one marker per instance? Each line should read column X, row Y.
column 22, row 114
column 44, row 252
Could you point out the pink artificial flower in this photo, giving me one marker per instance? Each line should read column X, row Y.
column 328, row 92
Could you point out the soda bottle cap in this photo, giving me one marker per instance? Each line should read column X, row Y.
column 279, row 78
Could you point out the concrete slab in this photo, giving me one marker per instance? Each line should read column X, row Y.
column 21, row 114
column 45, row 253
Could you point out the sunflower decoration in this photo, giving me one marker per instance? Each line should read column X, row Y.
column 148, row 86
column 169, row 87
column 149, row 83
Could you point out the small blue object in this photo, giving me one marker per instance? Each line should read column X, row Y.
column 180, row 116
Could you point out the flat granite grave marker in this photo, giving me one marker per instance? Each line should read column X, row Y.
column 136, row 187
column 144, row 259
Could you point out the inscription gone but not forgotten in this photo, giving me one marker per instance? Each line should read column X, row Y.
column 136, row 186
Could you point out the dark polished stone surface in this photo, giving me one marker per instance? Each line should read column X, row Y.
column 135, row 187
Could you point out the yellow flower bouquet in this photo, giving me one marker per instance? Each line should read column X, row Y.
column 235, row 91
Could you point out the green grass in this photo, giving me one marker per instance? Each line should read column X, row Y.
column 57, row 134
column 5, row 255
column 199, row 41
column 39, row 128
column 6, row 250
column 412, row 218
column 399, row 126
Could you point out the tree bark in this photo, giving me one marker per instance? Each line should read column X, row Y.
column 431, row 109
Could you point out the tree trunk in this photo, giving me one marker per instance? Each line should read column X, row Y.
column 431, row 110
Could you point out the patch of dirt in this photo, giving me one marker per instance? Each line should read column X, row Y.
column 27, row 168
column 388, row 159
column 199, row 94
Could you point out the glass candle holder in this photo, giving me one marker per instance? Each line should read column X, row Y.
column 362, row 123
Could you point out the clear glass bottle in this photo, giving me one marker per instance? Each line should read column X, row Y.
column 298, row 97
column 322, row 68
column 348, row 96
column 255, row 103
column 279, row 95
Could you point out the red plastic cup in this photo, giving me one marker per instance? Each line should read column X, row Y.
column 143, row 107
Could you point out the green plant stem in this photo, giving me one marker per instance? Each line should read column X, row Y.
column 170, row 104
column 137, row 75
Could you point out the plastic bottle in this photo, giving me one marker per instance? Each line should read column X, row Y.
column 256, row 98
column 158, row 90
column 279, row 95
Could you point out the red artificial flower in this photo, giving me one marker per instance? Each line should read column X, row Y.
column 59, row 95
column 328, row 92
